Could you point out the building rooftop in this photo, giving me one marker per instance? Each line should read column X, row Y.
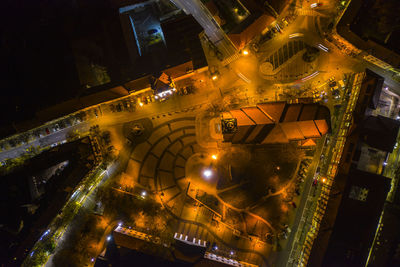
column 257, row 115
column 273, row 110
column 357, row 219
column 242, row 118
column 380, row 132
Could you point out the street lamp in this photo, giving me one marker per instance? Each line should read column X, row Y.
column 144, row 193
column 214, row 77
column 245, row 52
column 207, row 173
column 141, row 104
column 214, row 157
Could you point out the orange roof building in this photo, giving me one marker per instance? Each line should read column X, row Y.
column 279, row 122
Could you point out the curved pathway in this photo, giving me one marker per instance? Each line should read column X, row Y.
column 162, row 159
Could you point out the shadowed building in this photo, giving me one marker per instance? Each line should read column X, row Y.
column 278, row 122
column 356, row 211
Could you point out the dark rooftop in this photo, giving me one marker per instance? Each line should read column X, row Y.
column 357, row 219
column 380, row 132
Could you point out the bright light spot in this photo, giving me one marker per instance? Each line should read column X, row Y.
column 384, row 163
column 214, row 77
column 314, row 5
column 207, row 173
column 108, row 238
column 141, row 104
column 144, row 193
column 156, row 97
column 120, row 224
column 216, row 248
column 92, row 259
column 214, row 157
column 323, row 180
column 232, row 252
column 245, row 52
column 278, row 168
column 294, row 35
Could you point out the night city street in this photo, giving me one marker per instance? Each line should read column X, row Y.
column 200, row 133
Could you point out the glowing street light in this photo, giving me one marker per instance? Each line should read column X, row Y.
column 141, row 104
column 214, row 77
column 245, row 52
column 214, row 157
column 207, row 173
column 324, row 180
column 108, row 238
column 144, row 193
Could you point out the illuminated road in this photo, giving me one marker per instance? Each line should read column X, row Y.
column 238, row 80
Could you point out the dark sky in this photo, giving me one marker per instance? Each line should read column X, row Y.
column 36, row 62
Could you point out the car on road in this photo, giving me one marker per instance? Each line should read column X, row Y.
column 56, row 127
column 341, row 84
column 314, row 5
column 336, row 94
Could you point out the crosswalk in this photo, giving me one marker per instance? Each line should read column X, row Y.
column 230, row 59
column 306, row 12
